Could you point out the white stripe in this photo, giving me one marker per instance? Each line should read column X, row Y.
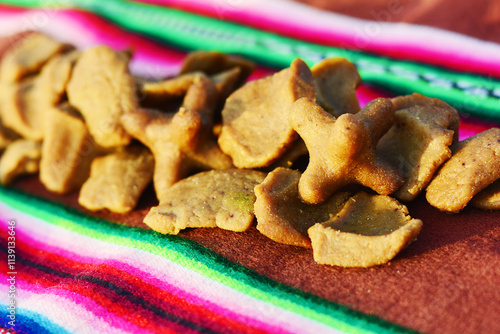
column 63, row 312
column 364, row 32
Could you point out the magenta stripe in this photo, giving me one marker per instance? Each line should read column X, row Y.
column 418, row 43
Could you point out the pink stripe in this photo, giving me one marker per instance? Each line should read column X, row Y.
column 410, row 42
column 62, row 250
column 70, row 300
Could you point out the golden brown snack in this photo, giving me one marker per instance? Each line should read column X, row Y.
column 117, row 180
column 488, row 198
column 418, row 143
column 255, row 131
column 217, row 198
column 474, row 164
column 226, row 83
column 368, row 231
column 342, row 151
column 181, row 142
column 28, row 55
column 416, row 99
column 282, row 216
column 50, row 86
column 19, row 109
column 102, row 89
column 158, row 94
column 336, row 80
column 21, row 157
column 67, row 151
column 213, row 62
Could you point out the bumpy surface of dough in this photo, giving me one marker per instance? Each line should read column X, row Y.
column 67, row 151
column 102, row 89
column 336, row 80
column 342, row 151
column 255, row 130
column 282, row 216
column 474, row 164
column 217, row 198
column 117, row 180
column 418, row 143
column 368, row 231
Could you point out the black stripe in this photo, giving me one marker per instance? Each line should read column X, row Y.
column 113, row 287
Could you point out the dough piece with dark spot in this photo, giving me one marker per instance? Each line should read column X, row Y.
column 217, row 198
column 418, row 143
column 474, row 164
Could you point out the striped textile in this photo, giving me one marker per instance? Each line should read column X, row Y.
column 76, row 273
column 79, row 274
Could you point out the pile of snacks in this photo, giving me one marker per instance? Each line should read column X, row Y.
column 222, row 151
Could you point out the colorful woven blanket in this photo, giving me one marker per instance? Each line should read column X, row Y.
column 68, row 270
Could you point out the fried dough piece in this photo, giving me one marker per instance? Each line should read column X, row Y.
column 213, row 62
column 19, row 109
column 117, row 180
column 67, row 151
column 282, row 216
column 102, row 89
column 336, row 80
column 342, row 151
column 157, row 94
column 21, row 157
column 368, row 231
column 255, row 131
column 217, row 198
column 488, row 198
column 181, row 142
column 50, row 85
column 474, row 164
column 28, row 55
column 226, row 82
column 416, row 99
column 418, row 143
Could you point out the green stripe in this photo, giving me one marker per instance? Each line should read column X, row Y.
column 199, row 259
column 473, row 95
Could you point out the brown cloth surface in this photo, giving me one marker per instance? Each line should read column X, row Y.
column 479, row 18
column 447, row 281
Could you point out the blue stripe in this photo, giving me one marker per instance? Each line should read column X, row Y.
column 28, row 322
